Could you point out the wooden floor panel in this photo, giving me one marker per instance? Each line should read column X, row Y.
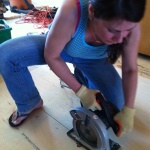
column 46, row 128
column 43, row 130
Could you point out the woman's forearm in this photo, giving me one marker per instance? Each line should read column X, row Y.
column 60, row 68
column 129, row 80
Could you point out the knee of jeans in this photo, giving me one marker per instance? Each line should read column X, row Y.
column 3, row 65
column 4, row 61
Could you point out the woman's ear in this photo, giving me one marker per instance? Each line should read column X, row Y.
column 90, row 11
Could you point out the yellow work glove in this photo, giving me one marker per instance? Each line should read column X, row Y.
column 125, row 119
column 88, row 98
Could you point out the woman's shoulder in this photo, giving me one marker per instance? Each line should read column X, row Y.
column 134, row 35
column 64, row 23
column 67, row 14
column 131, row 44
column 68, row 9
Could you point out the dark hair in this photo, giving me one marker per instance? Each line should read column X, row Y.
column 130, row 10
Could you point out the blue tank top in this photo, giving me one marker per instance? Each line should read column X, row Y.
column 77, row 47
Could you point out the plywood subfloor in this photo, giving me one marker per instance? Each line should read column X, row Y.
column 46, row 128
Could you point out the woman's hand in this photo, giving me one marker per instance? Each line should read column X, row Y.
column 125, row 119
column 88, row 98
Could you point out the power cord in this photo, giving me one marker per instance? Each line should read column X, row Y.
column 40, row 16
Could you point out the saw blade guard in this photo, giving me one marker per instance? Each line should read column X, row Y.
column 90, row 128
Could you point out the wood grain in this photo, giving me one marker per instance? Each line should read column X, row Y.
column 46, row 128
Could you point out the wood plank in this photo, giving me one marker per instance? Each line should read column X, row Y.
column 139, row 138
column 41, row 131
column 1, row 79
column 48, row 126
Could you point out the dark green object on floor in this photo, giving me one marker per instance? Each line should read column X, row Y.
column 5, row 31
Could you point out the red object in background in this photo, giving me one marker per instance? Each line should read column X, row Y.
column 20, row 4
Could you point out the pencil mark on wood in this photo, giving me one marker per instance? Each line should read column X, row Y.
column 30, row 142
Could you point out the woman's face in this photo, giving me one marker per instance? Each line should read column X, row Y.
column 112, row 32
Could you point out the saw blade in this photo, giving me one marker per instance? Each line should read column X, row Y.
column 87, row 133
column 90, row 128
column 81, row 143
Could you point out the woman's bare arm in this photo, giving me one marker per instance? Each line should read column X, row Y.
column 62, row 29
column 129, row 66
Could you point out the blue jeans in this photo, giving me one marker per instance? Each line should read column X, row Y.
column 19, row 53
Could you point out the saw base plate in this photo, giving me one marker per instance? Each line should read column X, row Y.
column 81, row 143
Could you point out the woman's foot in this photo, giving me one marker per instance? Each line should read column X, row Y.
column 17, row 118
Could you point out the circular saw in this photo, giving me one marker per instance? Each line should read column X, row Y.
column 90, row 127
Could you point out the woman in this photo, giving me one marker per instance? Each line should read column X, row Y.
column 91, row 35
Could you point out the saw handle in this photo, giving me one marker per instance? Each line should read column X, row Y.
column 106, row 111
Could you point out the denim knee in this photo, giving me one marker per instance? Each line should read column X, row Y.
column 3, row 59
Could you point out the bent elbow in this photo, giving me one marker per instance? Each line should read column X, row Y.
column 131, row 70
